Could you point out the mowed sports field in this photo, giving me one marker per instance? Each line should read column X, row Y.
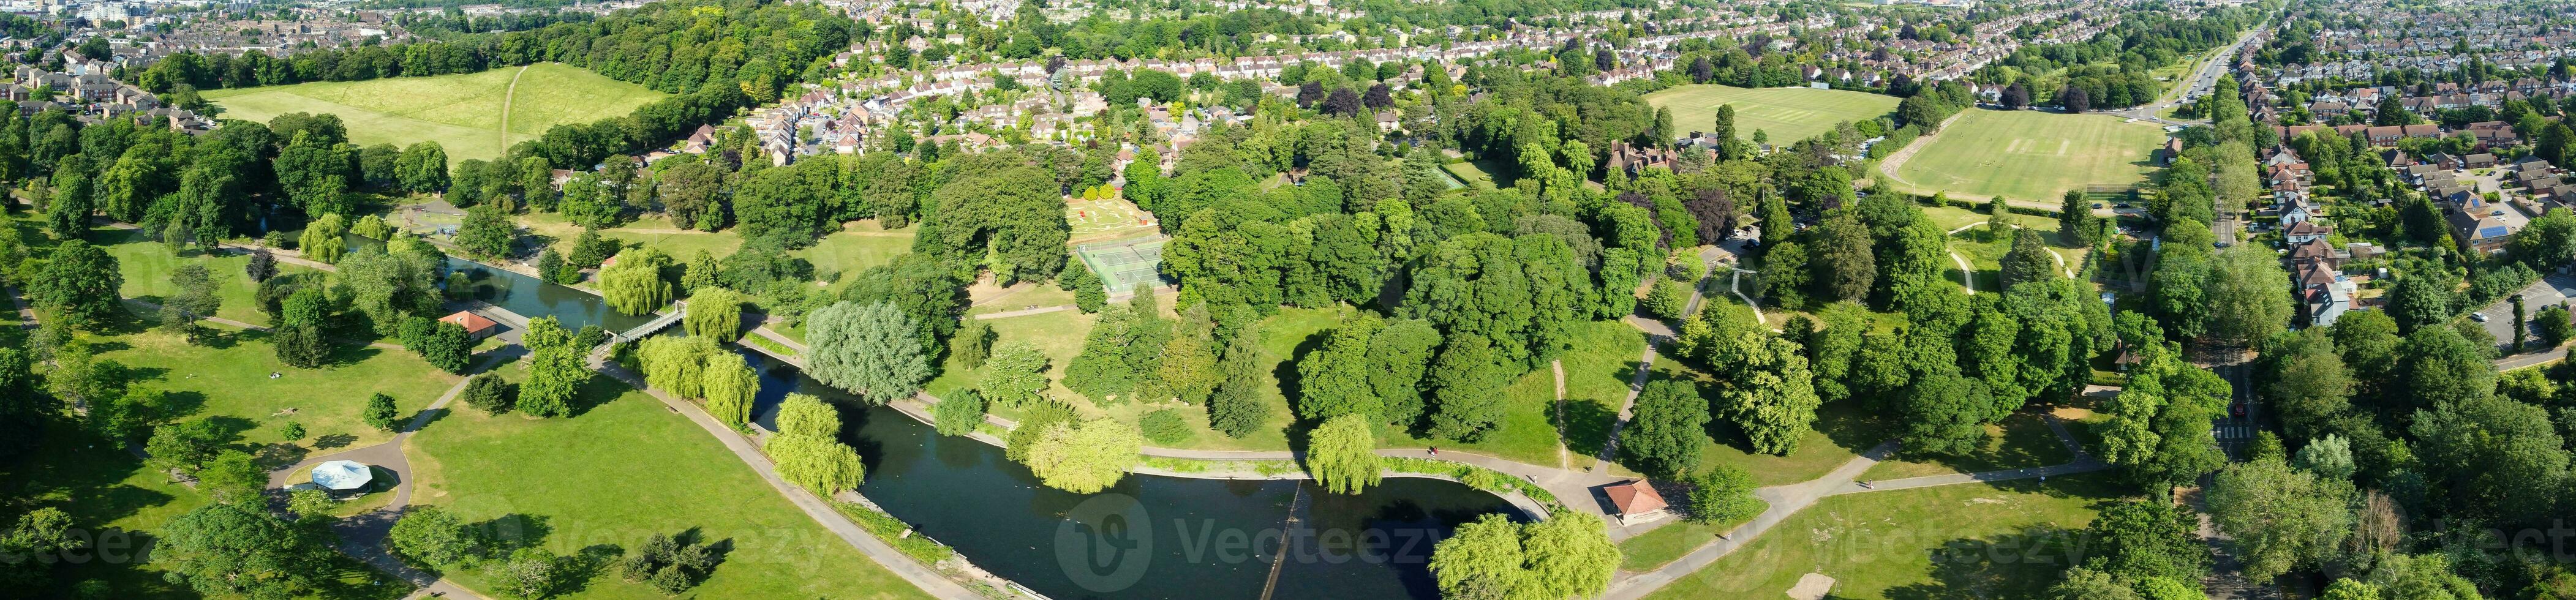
column 2028, row 155
column 466, row 114
column 1785, row 114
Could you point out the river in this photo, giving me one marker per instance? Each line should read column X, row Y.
column 1174, row 537
column 1157, row 537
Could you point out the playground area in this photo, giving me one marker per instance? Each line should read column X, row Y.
column 1123, row 263
column 1107, row 219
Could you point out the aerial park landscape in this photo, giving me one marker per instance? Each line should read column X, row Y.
column 1114, row 299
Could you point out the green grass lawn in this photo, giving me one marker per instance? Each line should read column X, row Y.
column 1597, row 372
column 463, row 113
column 2029, row 155
column 619, row 472
column 229, row 380
column 856, row 247
column 1670, row 541
column 1057, row 334
column 146, row 266
column 2020, row 441
column 1786, row 114
column 1985, row 256
column 1952, row 217
column 2002, row 540
column 848, row 252
column 1841, row 431
column 1476, row 173
column 109, row 490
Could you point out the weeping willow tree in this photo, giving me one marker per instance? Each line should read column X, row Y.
column 729, row 385
column 1342, row 454
column 715, row 313
column 806, row 449
column 635, row 285
column 677, row 365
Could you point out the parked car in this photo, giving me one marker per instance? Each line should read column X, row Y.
column 2479, row 317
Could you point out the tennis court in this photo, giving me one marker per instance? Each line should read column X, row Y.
column 1121, row 264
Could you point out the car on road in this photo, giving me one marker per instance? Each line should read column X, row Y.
column 2479, row 317
column 2097, row 206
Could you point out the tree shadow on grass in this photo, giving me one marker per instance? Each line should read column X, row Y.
column 1586, row 423
column 2022, row 440
column 1291, row 386
column 86, row 479
column 2021, row 564
column 585, row 565
column 346, row 354
column 346, row 578
column 279, row 455
column 594, row 390
column 333, row 441
column 514, row 531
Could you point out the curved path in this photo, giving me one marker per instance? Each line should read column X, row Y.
column 743, row 447
column 507, row 97
column 363, row 536
column 1787, row 500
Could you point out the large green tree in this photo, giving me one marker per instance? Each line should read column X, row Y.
column 1084, row 457
column 1015, row 375
column 1342, row 453
column 872, row 350
column 79, row 285
column 2249, row 296
column 556, row 369
column 229, row 550
column 1236, row 408
column 2279, row 518
column 1670, row 427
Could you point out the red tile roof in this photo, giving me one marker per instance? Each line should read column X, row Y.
column 1633, row 497
column 473, row 323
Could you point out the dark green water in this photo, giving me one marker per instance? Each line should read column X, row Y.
column 529, row 296
column 1149, row 537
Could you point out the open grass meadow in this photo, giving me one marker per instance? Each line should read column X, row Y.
column 623, row 469
column 1841, row 432
column 2019, row 441
column 229, row 381
column 2028, row 155
column 1669, row 541
column 146, row 266
column 857, row 246
column 1785, row 114
column 111, row 491
column 2000, row 540
column 475, row 115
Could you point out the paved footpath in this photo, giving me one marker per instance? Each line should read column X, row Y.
column 1787, row 500
column 919, row 575
column 363, row 536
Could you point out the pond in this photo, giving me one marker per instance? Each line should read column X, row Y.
column 1150, row 536
column 528, row 296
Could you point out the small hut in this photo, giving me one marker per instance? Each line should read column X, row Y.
column 476, row 326
column 1635, row 501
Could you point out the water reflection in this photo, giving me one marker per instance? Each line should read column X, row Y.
column 1197, row 538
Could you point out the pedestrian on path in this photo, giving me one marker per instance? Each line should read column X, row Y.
column 1435, row 450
